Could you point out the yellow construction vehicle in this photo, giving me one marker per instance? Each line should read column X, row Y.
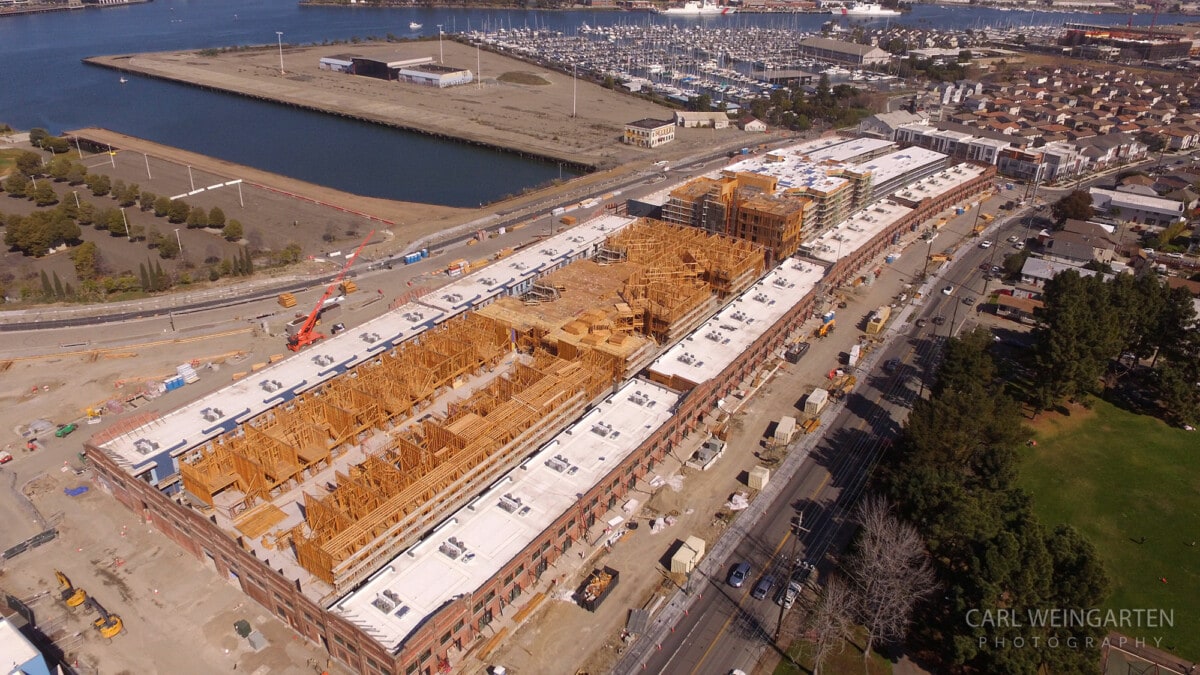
column 109, row 625
column 825, row 328
column 74, row 597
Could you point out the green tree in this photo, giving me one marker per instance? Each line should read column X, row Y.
column 178, row 211
column 86, row 258
column 168, row 248
column 1075, row 205
column 216, row 217
column 59, row 168
column 58, row 287
column 197, row 218
column 29, row 163
column 57, row 145
column 37, row 135
column 146, row 200
column 17, row 184
column 98, row 183
column 44, row 194
column 128, row 195
column 1076, row 336
column 232, row 231
column 162, row 206
column 86, row 213
column 77, row 174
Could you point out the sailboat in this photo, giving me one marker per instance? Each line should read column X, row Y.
column 123, row 80
column 413, row 25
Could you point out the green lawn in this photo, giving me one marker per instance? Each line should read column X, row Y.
column 849, row 660
column 1118, row 477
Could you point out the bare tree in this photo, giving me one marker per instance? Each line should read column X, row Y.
column 831, row 621
column 891, row 573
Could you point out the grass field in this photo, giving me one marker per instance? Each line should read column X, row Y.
column 849, row 660
column 1118, row 477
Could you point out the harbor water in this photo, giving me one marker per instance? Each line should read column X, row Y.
column 45, row 84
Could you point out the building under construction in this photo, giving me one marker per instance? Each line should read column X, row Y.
column 1134, row 42
column 390, row 490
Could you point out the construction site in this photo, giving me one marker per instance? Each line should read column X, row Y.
column 390, row 488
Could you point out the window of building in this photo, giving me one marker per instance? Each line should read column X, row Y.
column 458, row 625
column 491, row 595
column 445, row 638
column 425, row 655
column 412, row 668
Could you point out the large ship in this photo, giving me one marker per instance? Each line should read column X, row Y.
column 694, row 8
column 864, row 9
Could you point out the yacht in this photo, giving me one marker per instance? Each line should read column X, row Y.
column 413, row 25
column 694, row 8
column 864, row 9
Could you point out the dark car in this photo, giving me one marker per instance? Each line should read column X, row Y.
column 921, row 323
column 337, row 328
column 891, row 365
column 939, row 320
column 738, row 575
column 763, row 587
column 968, row 301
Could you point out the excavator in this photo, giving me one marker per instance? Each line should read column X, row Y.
column 74, row 597
column 109, row 625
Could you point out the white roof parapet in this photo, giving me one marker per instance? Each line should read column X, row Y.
column 476, row 542
column 898, row 163
column 851, row 234
column 709, row 349
column 187, row 427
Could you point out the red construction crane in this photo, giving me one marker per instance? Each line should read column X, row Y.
column 307, row 335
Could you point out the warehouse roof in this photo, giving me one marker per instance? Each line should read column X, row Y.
column 896, row 164
column 849, row 150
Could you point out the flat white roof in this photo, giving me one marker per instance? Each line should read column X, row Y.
column 1142, row 202
column 850, row 149
column 942, row 181
column 793, row 170
column 474, row 543
column 707, row 351
column 187, row 427
column 849, row 235
column 895, row 164
column 15, row 650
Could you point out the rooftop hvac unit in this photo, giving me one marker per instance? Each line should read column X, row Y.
column 510, row 503
column 637, row 398
column 558, row 463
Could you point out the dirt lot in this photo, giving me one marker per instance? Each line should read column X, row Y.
column 520, row 106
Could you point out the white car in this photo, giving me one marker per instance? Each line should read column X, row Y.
column 1013, row 239
column 947, row 290
column 985, row 244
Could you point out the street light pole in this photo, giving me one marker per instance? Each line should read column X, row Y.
column 190, row 179
column 279, row 39
column 440, row 56
column 147, row 158
column 179, row 242
column 126, row 221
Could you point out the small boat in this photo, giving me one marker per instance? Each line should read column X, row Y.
column 123, row 80
column 413, row 25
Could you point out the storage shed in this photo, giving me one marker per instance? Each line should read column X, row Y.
column 688, row 555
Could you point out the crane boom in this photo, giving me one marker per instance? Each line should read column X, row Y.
column 307, row 335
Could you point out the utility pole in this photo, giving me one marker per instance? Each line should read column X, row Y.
column 440, row 55
column 574, row 86
column 796, row 530
column 279, row 37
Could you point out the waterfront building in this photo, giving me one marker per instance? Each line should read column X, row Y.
column 840, row 51
column 649, row 133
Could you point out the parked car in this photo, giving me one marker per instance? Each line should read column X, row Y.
column 947, row 290
column 787, row 595
column 737, row 575
column 763, row 587
column 891, row 365
column 985, row 244
column 337, row 328
column 65, row 430
column 5, row 457
column 939, row 320
column 968, row 301
column 921, row 323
